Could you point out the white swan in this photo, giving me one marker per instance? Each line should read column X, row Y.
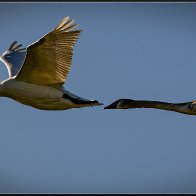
column 37, row 73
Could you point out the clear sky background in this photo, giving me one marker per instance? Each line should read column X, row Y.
column 126, row 50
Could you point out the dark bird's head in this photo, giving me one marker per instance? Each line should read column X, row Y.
column 119, row 104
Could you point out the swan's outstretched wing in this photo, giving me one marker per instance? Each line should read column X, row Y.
column 13, row 58
column 49, row 59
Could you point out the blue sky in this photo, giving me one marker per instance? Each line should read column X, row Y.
column 126, row 50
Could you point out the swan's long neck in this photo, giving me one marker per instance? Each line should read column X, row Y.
column 186, row 107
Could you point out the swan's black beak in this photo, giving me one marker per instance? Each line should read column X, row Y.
column 111, row 106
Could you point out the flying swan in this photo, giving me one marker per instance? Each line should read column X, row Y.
column 185, row 108
column 37, row 73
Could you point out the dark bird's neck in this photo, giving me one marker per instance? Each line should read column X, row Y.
column 185, row 108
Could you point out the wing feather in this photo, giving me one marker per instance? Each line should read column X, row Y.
column 13, row 58
column 48, row 60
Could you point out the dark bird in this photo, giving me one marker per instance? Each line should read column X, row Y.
column 185, row 108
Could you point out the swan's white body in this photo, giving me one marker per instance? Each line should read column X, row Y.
column 41, row 97
column 37, row 79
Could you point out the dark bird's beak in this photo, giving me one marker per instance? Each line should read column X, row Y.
column 111, row 106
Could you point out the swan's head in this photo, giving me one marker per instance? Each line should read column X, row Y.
column 119, row 104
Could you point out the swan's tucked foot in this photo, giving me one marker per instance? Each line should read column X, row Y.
column 80, row 101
